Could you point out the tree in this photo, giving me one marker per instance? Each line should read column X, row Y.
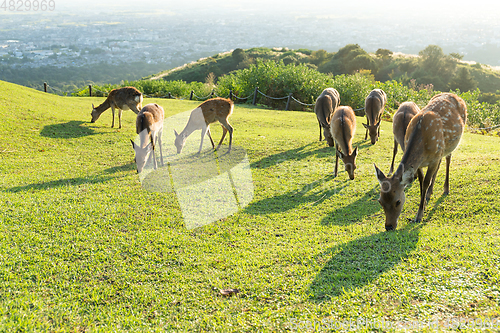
column 384, row 53
column 463, row 80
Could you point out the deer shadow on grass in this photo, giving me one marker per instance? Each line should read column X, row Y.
column 296, row 154
column 77, row 181
column 313, row 193
column 355, row 211
column 70, row 130
column 358, row 263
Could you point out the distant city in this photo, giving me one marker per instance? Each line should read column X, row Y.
column 65, row 38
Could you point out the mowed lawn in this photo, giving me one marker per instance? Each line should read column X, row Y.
column 83, row 247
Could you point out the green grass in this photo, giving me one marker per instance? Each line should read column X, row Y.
column 84, row 248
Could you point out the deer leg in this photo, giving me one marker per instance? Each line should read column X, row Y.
column 430, row 190
column 431, row 171
column 447, row 177
column 224, row 131
column 394, row 152
column 158, row 139
column 120, row 111
column 320, row 129
column 153, row 148
column 368, row 123
column 210, row 137
column 113, row 111
column 230, row 129
column 203, row 132
column 336, row 160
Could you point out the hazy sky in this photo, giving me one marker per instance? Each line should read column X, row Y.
column 379, row 8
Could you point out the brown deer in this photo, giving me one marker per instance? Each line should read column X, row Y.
column 128, row 98
column 208, row 112
column 400, row 121
column 326, row 103
column 432, row 134
column 374, row 108
column 343, row 127
column 149, row 126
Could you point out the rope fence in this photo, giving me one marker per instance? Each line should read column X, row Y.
column 231, row 96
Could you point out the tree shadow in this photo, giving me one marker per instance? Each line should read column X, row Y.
column 71, row 129
column 313, row 193
column 355, row 211
column 358, row 263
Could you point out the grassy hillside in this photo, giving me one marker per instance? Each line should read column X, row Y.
column 84, row 248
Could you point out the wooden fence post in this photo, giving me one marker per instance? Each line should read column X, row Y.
column 255, row 95
column 288, row 101
column 191, row 96
column 45, row 86
column 90, row 90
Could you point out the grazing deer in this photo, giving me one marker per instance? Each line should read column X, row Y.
column 128, row 98
column 208, row 112
column 149, row 126
column 325, row 105
column 343, row 127
column 432, row 134
column 400, row 121
column 374, row 108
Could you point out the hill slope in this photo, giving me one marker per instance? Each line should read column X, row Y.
column 85, row 248
column 442, row 70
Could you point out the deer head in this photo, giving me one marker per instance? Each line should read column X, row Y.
column 392, row 195
column 373, row 131
column 180, row 140
column 95, row 114
column 141, row 154
column 349, row 162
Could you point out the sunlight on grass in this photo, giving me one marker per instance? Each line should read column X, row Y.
column 86, row 247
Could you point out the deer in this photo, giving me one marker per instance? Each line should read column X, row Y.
column 149, row 126
column 374, row 108
column 325, row 104
column 400, row 121
column 212, row 110
column 127, row 98
column 433, row 133
column 342, row 128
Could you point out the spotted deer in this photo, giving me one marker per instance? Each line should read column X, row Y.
column 343, row 127
column 326, row 103
column 374, row 108
column 400, row 121
column 149, row 126
column 432, row 134
column 208, row 112
column 127, row 98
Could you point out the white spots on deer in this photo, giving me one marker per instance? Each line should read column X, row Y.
column 438, row 138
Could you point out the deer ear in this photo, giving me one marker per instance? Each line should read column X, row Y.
column 365, row 125
column 176, row 134
column 355, row 152
column 93, row 107
column 380, row 175
column 399, row 173
column 340, row 154
column 133, row 143
column 378, row 124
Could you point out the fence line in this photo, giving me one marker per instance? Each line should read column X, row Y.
column 231, row 96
